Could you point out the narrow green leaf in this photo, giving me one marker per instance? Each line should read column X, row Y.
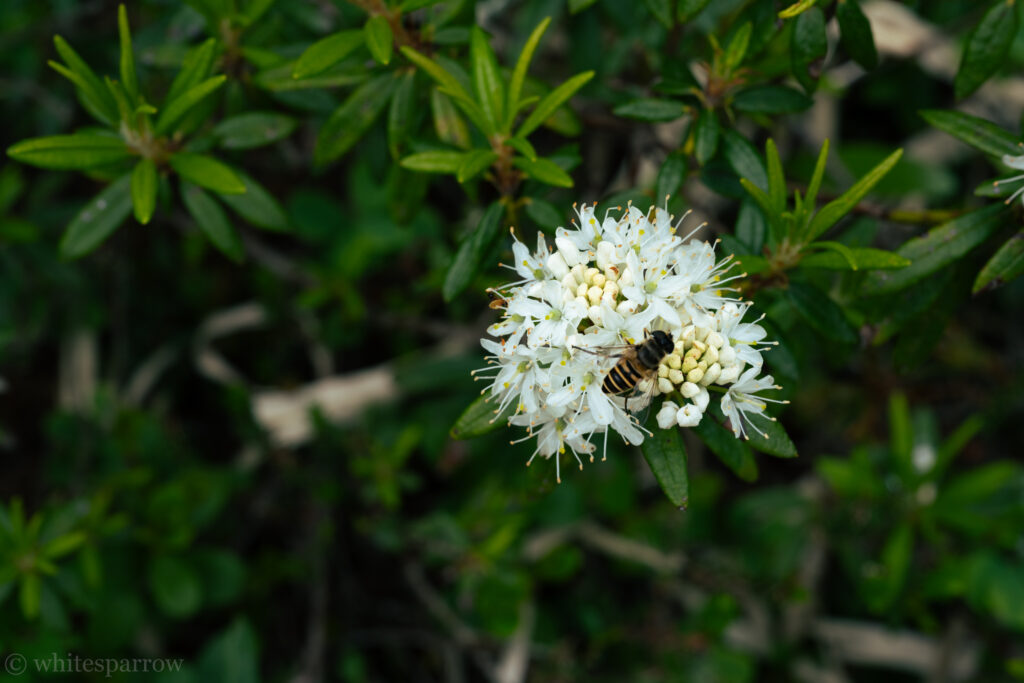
column 544, row 214
column 206, row 172
column 89, row 84
column 661, row 10
column 402, row 113
column 213, row 221
column 125, row 108
column 744, row 159
column 129, row 79
column 467, row 259
column 896, row 556
column 254, row 129
column 479, row 418
column 666, row 456
column 705, row 136
column 737, row 48
column 449, row 83
column 839, row 207
column 434, row 162
column 771, row 99
column 651, row 109
column 855, row 33
column 987, row 47
column 473, row 163
column 978, row 133
column 29, row 595
column 144, row 190
column 865, row 259
column 776, row 179
column 195, row 68
column 552, row 101
column 173, row 110
column 515, row 86
column 64, row 544
column 770, row 437
column 776, row 226
column 751, row 227
column 523, row 146
column 819, row 173
column 544, row 170
column 353, row 118
column 577, row 6
column 808, row 46
column 670, row 176
column 66, row 152
column 1005, row 265
column 98, row 219
column 938, row 248
column 821, row 313
column 796, row 9
column 448, row 124
column 487, row 81
column 379, row 39
column 688, row 9
column 731, row 451
column 257, row 205
column 326, row 52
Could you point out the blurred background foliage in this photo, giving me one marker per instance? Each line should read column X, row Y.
column 246, row 462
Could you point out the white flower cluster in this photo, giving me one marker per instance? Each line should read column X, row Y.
column 609, row 283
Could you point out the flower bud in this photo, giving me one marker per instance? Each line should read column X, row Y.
column 711, row 355
column 568, row 250
column 689, row 363
column 588, row 276
column 674, row 361
column 594, row 294
column 664, row 385
column 581, row 289
column 714, row 339
column 662, row 371
column 599, row 279
column 611, row 289
column 701, row 333
column 702, row 399
column 695, row 375
column 605, row 254
column 711, row 374
column 556, row 264
column 594, row 313
column 666, row 417
column 577, row 271
column 729, row 374
column 688, row 416
column 675, row 376
column 727, row 356
column 689, row 389
column 626, row 278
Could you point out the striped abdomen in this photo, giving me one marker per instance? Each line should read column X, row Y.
column 623, row 377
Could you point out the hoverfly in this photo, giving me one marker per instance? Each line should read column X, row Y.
column 636, row 364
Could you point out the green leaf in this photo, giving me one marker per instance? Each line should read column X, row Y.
column 865, row 259
column 213, row 221
column 175, row 586
column 1005, row 265
column 206, row 172
column 64, row 544
column 144, row 190
column 978, row 133
column 448, row 82
column 544, row 170
column 196, row 67
column 821, row 313
column 796, row 9
column 688, row 9
column 776, row 180
column 353, row 118
column 938, row 248
column 256, row 205
column 661, row 10
column 856, row 35
column 379, row 39
column 771, row 99
column 987, row 46
column 254, row 129
column 29, row 595
column 473, row 163
column 744, row 159
column 232, row 657
column 839, row 207
column 996, row 586
column 467, row 260
column 94, row 92
column 705, row 136
column 819, row 173
column 479, row 418
column 66, row 152
column 128, row 77
column 808, row 46
column 552, row 101
column 402, row 113
column 666, row 456
column 327, row 52
column 731, row 451
column 515, row 86
column 896, row 556
column 543, row 213
column 487, row 82
column 651, row 109
column 770, row 437
column 448, row 124
column 523, row 146
column 737, row 48
column 577, row 6
column 98, row 219
column 174, row 109
column 670, row 176
column 439, row 161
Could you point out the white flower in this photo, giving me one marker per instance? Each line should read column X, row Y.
column 613, row 282
column 1016, row 162
column 740, row 401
